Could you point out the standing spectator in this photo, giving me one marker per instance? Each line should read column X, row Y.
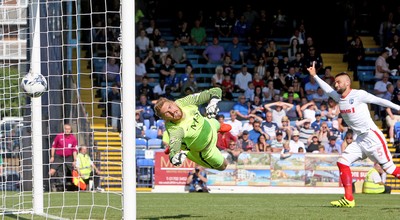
column 197, row 180
column 87, row 169
column 355, row 53
column 63, row 155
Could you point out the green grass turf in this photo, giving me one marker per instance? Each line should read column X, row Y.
column 217, row 206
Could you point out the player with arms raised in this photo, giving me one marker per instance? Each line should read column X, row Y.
column 190, row 134
column 370, row 142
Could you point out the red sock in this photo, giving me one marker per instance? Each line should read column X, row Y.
column 347, row 181
column 396, row 172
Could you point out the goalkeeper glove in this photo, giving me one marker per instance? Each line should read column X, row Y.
column 212, row 108
column 177, row 159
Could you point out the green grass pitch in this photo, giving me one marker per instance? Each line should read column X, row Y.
column 214, row 206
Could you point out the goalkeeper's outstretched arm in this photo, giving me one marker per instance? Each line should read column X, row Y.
column 201, row 97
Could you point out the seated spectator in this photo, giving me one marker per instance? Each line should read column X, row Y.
column 313, row 146
column 309, row 110
column 279, row 111
column 333, row 146
column 140, row 127
column 145, row 88
column 242, row 79
column 257, row 107
column 251, row 91
column 375, row 181
column 191, row 82
column 148, row 112
column 319, row 97
column 286, row 128
column 269, row 127
column 234, row 151
column 198, row 34
column 305, row 130
column 173, row 81
column 140, row 69
column 159, row 89
column 348, row 139
column 225, row 137
column 237, row 126
column 249, row 124
column 316, row 125
column 197, row 180
column 246, row 143
column 242, row 108
column 324, row 133
column 235, row 51
column 214, row 53
column 161, row 51
column 277, row 143
column 111, row 69
column 177, row 52
column 295, row 143
column 261, row 145
column 286, row 151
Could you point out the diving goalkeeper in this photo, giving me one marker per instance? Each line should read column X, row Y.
column 190, row 134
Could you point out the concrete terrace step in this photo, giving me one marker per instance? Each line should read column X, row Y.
column 105, row 133
column 105, row 138
column 109, row 143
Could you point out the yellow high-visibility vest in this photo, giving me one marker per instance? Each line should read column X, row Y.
column 369, row 186
column 84, row 165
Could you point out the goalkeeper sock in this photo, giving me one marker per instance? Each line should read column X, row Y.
column 345, row 177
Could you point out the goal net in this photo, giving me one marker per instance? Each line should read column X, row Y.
column 71, row 43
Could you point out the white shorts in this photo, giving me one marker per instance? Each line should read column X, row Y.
column 372, row 145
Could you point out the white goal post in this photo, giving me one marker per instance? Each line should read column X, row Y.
column 56, row 38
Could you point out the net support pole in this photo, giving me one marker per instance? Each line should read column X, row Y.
column 36, row 116
column 128, row 109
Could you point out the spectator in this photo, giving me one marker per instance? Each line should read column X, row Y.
column 87, row 169
column 143, row 43
column 218, row 77
column 242, row 79
column 277, row 143
column 214, row 53
column 173, row 81
column 245, row 142
column 197, row 180
column 241, row 27
column 270, row 127
column 198, row 34
column 177, row 53
column 316, row 125
column 355, row 53
column 381, row 66
column 63, row 156
column 333, row 146
column 166, row 67
column 313, row 146
column 348, row 139
column 295, row 143
column 256, row 107
column 249, row 124
column 380, row 90
column 148, row 112
column 324, row 133
column 261, row 145
column 225, row 136
column 237, row 126
column 375, row 181
column 161, row 51
column 159, row 89
column 235, row 51
column 308, row 110
column 190, row 83
column 256, row 132
column 311, row 88
column 286, row 151
column 320, row 97
column 140, row 69
column 279, row 111
column 183, row 34
column 140, row 127
column 286, row 128
column 114, row 97
column 392, row 118
column 234, row 151
column 305, row 131
column 242, row 108
column 111, row 69
column 145, row 88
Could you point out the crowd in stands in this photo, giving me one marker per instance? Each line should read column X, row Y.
column 259, row 59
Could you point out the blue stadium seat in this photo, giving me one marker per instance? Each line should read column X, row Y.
column 159, row 123
column 141, row 143
column 140, row 153
column 145, row 171
column 154, row 143
column 151, row 133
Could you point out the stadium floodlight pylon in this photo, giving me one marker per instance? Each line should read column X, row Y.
column 47, row 37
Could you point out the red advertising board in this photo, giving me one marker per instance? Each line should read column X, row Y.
column 166, row 174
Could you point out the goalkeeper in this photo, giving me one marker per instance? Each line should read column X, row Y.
column 190, row 134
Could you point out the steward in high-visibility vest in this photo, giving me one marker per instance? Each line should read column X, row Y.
column 85, row 167
column 374, row 183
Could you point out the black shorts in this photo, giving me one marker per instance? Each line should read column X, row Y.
column 59, row 161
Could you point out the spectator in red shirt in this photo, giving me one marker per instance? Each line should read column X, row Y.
column 225, row 137
column 63, row 152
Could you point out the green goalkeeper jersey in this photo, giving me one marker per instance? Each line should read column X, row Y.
column 193, row 131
